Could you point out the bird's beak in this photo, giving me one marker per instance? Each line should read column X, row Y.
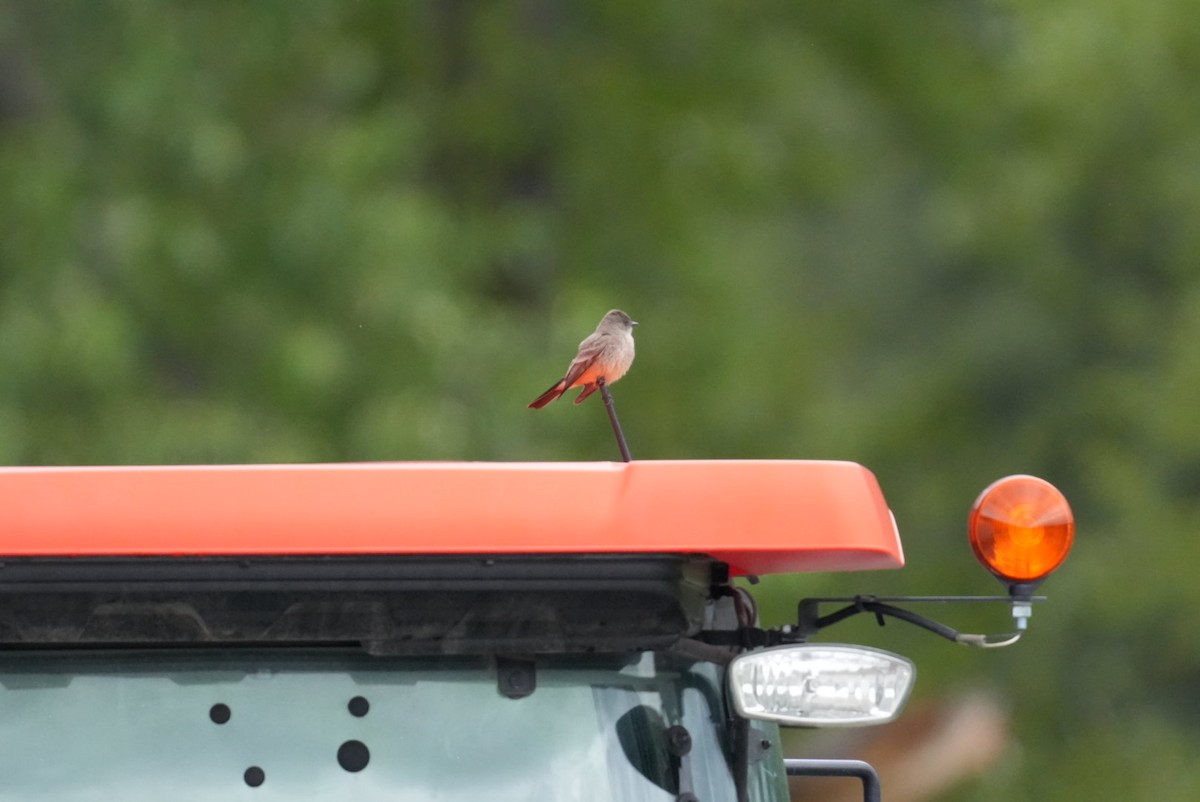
column 633, row 322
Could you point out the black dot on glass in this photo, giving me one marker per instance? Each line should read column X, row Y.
column 359, row 706
column 254, row 776
column 219, row 713
column 353, row 756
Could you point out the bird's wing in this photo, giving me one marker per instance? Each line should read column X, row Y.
column 589, row 349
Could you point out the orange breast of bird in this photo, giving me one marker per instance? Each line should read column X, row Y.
column 594, row 371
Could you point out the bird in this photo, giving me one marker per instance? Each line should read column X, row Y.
column 605, row 354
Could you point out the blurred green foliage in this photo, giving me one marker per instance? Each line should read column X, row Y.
column 948, row 240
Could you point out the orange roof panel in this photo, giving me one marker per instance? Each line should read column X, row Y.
column 759, row 516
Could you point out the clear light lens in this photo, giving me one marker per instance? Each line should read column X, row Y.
column 821, row 685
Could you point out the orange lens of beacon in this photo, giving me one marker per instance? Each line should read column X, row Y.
column 1021, row 528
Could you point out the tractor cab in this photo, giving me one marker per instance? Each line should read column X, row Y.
column 451, row 631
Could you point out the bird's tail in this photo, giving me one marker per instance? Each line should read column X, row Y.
column 545, row 398
column 588, row 389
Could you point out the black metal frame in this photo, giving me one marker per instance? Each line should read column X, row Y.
column 399, row 604
column 341, row 573
column 800, row 767
column 810, row 621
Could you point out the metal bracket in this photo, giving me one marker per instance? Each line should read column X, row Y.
column 679, row 746
column 838, row 768
column 515, row 678
column 810, row 621
column 757, row 747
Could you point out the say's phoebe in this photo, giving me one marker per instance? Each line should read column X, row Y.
column 606, row 354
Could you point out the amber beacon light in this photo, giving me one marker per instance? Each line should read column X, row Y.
column 1021, row 528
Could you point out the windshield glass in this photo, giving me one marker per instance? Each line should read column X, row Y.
column 268, row 726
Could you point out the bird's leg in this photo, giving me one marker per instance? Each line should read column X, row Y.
column 612, row 417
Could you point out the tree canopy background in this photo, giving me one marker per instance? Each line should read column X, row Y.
column 950, row 241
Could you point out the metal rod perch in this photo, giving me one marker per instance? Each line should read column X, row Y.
column 612, row 417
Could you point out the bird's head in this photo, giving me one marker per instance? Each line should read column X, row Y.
column 618, row 320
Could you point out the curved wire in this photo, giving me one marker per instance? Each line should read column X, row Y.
column 866, row 604
column 989, row 641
